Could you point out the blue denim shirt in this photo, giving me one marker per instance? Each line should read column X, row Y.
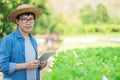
column 12, row 52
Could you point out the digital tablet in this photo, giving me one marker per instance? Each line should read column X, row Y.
column 46, row 55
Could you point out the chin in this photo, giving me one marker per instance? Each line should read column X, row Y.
column 28, row 31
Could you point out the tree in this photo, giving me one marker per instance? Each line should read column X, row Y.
column 6, row 7
column 101, row 14
column 87, row 15
column 46, row 23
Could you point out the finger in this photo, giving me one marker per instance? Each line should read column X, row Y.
column 36, row 61
column 43, row 65
column 44, row 62
column 38, row 64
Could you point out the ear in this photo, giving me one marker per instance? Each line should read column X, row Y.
column 17, row 21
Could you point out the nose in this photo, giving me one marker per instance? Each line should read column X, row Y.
column 28, row 22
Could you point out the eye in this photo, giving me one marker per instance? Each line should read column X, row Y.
column 24, row 20
column 31, row 19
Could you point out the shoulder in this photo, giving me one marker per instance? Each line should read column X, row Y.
column 8, row 38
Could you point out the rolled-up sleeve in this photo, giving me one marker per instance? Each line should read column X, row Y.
column 12, row 68
column 6, row 66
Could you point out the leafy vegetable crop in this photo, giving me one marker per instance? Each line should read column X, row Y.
column 86, row 64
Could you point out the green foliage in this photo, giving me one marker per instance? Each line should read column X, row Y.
column 86, row 64
column 115, row 20
column 102, row 28
column 101, row 14
column 88, row 15
column 46, row 23
column 86, row 28
column 6, row 7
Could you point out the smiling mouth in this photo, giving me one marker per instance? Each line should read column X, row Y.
column 28, row 27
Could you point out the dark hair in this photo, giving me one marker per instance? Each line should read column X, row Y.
column 28, row 13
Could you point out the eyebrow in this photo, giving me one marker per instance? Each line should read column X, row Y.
column 24, row 15
column 27, row 18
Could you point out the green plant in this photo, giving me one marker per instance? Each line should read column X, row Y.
column 86, row 64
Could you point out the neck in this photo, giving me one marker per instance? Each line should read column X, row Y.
column 25, row 34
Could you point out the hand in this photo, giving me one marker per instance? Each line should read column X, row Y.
column 33, row 64
column 43, row 63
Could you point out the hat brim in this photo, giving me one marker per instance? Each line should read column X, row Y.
column 12, row 16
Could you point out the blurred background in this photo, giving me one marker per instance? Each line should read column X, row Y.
column 69, row 24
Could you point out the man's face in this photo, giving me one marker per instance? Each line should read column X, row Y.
column 25, row 23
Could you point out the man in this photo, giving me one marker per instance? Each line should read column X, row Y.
column 18, row 50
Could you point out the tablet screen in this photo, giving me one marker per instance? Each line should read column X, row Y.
column 46, row 55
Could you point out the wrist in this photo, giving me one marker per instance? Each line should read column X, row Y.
column 25, row 65
column 21, row 66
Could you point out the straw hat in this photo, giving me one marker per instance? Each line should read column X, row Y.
column 24, row 8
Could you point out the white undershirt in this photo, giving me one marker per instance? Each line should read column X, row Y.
column 29, row 56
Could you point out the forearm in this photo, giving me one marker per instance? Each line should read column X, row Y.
column 29, row 65
column 21, row 66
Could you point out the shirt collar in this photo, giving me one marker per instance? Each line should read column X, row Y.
column 19, row 35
